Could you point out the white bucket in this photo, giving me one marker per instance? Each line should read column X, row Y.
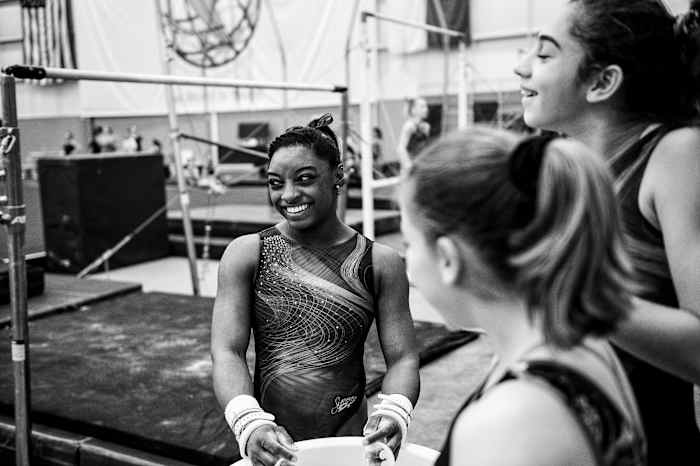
column 349, row 451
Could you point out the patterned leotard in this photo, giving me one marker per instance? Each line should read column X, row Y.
column 614, row 440
column 313, row 309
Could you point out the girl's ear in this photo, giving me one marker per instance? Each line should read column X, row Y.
column 459, row 264
column 450, row 260
column 605, row 83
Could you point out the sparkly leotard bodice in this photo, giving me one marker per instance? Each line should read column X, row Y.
column 313, row 308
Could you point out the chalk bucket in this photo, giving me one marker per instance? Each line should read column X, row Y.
column 349, row 451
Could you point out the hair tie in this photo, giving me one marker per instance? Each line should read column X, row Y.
column 317, row 123
column 525, row 163
column 324, row 120
column 322, row 125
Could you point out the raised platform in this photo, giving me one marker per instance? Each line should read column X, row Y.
column 133, row 374
column 238, row 210
column 66, row 293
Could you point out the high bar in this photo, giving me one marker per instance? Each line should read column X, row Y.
column 37, row 72
column 425, row 27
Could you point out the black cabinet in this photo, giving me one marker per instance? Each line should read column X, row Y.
column 90, row 202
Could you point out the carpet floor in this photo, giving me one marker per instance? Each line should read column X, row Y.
column 135, row 370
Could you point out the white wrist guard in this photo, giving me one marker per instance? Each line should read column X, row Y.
column 399, row 400
column 243, row 415
column 398, row 408
column 243, row 421
column 239, row 406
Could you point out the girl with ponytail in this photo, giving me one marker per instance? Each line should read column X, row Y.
column 623, row 77
column 522, row 238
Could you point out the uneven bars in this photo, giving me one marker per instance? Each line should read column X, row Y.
column 368, row 181
column 413, row 24
column 381, row 183
column 245, row 150
column 37, row 72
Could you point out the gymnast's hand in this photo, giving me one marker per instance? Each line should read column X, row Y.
column 381, row 430
column 271, row 445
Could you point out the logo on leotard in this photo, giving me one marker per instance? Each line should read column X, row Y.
column 342, row 403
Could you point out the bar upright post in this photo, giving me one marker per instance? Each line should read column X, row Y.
column 14, row 218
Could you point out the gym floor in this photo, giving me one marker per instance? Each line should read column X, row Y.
column 445, row 382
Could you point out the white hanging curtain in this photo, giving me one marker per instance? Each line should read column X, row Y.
column 399, row 38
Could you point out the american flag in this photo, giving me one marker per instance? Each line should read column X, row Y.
column 47, row 33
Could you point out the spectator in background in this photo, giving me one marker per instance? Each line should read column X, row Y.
column 351, row 165
column 107, row 140
column 94, row 145
column 415, row 132
column 377, row 139
column 352, row 162
column 133, row 141
column 70, row 144
column 157, row 148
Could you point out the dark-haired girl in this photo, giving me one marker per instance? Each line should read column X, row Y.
column 622, row 77
column 415, row 131
column 310, row 288
column 522, row 238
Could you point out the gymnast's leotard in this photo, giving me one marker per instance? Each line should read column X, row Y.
column 313, row 309
column 418, row 139
column 665, row 401
column 614, row 439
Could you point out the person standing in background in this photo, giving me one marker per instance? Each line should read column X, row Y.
column 415, row 132
column 132, row 142
column 70, row 144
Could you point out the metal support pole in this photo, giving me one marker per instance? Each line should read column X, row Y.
column 345, row 112
column 462, row 89
column 373, row 42
column 283, row 56
column 214, row 131
column 365, row 143
column 499, row 109
column 177, row 154
column 344, row 130
column 445, row 65
column 182, row 189
column 207, row 114
column 14, row 219
column 348, row 44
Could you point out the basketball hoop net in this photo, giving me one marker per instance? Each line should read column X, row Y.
column 209, row 33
